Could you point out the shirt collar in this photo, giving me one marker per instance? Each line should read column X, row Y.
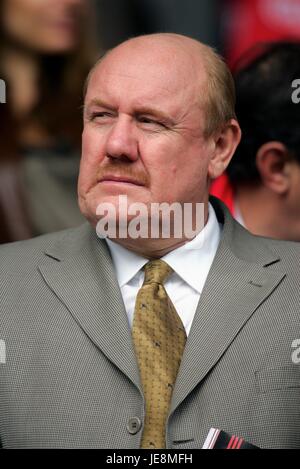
column 184, row 260
column 127, row 263
column 198, row 253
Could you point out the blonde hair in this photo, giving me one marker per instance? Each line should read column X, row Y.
column 219, row 99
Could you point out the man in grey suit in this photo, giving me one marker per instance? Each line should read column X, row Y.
column 159, row 124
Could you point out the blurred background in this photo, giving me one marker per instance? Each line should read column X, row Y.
column 46, row 50
column 232, row 26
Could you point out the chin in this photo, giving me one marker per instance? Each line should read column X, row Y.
column 60, row 47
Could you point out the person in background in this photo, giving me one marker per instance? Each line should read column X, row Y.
column 262, row 185
column 45, row 53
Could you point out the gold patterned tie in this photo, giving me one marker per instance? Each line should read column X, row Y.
column 159, row 339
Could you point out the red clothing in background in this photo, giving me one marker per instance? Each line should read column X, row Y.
column 222, row 189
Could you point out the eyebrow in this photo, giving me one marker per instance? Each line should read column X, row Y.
column 148, row 110
column 97, row 102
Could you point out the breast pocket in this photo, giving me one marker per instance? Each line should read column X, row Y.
column 272, row 379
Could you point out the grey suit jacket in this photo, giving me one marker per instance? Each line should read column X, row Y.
column 68, row 373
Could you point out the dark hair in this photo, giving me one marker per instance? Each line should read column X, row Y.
column 264, row 106
column 58, row 112
column 60, row 99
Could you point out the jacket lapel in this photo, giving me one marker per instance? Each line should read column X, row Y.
column 83, row 278
column 234, row 289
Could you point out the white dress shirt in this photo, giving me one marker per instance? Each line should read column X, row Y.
column 190, row 262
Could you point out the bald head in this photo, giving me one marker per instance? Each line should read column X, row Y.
column 197, row 67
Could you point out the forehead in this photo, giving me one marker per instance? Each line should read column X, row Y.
column 143, row 75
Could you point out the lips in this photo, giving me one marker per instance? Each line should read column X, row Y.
column 120, row 179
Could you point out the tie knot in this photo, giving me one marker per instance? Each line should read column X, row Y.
column 157, row 271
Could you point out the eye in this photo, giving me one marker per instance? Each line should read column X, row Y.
column 150, row 121
column 100, row 115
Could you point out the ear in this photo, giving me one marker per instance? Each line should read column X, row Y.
column 225, row 143
column 273, row 164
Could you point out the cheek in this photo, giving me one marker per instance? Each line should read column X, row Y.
column 160, row 153
column 91, row 156
column 188, row 173
column 162, row 159
column 296, row 199
column 92, row 147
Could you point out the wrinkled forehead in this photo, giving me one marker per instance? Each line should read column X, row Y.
column 149, row 69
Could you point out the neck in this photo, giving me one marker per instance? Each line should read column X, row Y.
column 264, row 212
column 154, row 248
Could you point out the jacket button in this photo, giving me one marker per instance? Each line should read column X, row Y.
column 134, row 425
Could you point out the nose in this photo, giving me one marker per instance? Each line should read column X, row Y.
column 121, row 140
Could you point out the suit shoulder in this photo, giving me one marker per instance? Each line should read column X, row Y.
column 20, row 255
column 284, row 248
column 287, row 252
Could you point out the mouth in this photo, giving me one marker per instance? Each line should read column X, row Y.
column 65, row 24
column 110, row 179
